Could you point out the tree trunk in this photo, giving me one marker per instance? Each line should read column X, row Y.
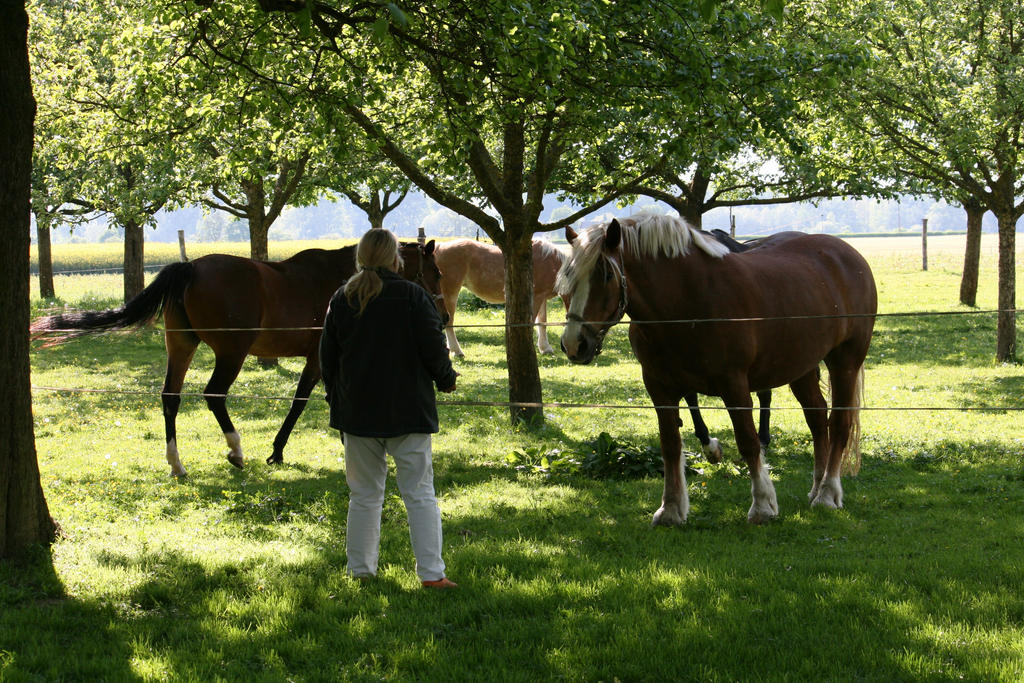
column 374, row 211
column 690, row 212
column 694, row 204
column 523, row 372
column 1006, row 328
column 46, row 290
column 258, row 242
column 134, row 261
column 972, row 255
column 259, row 247
column 24, row 517
column 259, row 227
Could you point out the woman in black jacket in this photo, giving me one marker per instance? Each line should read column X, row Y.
column 381, row 353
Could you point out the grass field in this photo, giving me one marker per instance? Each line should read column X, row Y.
column 239, row 575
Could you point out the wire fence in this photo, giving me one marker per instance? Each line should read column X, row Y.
column 556, row 404
column 562, row 323
column 548, row 404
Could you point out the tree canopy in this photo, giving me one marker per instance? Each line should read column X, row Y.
column 941, row 99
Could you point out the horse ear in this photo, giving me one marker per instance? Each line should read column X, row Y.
column 570, row 234
column 612, row 236
column 428, row 248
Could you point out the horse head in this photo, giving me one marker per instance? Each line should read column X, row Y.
column 595, row 284
column 419, row 266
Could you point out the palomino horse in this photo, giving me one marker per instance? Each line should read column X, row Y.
column 239, row 307
column 721, row 324
column 480, row 268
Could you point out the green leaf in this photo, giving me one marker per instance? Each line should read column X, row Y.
column 305, row 21
column 380, row 28
column 398, row 17
column 775, row 8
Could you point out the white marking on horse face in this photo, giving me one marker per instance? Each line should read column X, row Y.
column 573, row 328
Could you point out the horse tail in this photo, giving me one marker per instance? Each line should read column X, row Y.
column 851, row 452
column 139, row 311
column 851, row 449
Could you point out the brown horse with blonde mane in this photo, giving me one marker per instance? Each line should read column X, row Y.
column 480, row 268
column 726, row 324
column 238, row 307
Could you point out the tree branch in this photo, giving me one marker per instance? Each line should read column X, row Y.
column 412, row 171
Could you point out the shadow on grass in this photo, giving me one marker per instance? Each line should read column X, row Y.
column 564, row 578
column 40, row 624
column 997, row 391
column 934, row 340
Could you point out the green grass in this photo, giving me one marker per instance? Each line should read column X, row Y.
column 239, row 575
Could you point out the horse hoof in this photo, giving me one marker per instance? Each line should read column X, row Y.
column 179, row 475
column 826, row 501
column 713, row 451
column 666, row 517
column 275, row 459
column 761, row 516
column 237, row 460
column 830, row 494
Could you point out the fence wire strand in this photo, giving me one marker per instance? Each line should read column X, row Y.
column 530, row 404
column 555, row 404
column 562, row 323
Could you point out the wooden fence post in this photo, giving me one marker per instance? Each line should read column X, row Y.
column 181, row 245
column 421, row 236
column 732, row 226
column 924, row 244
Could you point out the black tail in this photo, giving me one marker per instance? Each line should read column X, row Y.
column 139, row 311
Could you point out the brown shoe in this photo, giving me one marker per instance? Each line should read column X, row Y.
column 441, row 584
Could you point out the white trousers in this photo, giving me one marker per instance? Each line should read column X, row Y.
column 366, row 470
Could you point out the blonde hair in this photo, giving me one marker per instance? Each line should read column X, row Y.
column 377, row 250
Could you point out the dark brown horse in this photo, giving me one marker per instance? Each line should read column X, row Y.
column 239, row 307
column 720, row 324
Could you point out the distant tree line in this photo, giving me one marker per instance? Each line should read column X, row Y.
column 341, row 219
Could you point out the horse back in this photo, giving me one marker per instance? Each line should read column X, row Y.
column 231, row 293
column 775, row 310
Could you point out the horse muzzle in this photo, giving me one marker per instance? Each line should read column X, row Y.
column 586, row 348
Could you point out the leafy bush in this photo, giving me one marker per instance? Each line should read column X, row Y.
column 602, row 458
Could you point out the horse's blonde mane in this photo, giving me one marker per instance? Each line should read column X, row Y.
column 647, row 234
column 549, row 249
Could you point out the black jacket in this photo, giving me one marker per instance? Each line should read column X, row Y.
column 380, row 368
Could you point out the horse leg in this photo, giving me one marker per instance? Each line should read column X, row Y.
column 450, row 302
column 310, row 376
column 764, row 400
column 540, row 305
column 844, row 378
column 764, row 504
column 807, row 391
column 180, row 349
column 225, row 370
column 712, row 449
column 675, row 500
